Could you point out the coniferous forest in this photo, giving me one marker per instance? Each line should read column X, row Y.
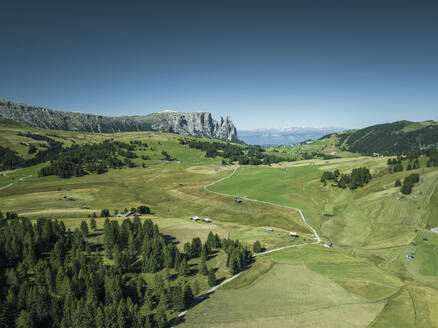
column 52, row 277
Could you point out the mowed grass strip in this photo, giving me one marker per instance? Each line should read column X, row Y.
column 286, row 296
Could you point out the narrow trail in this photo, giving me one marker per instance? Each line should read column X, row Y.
column 205, row 295
column 12, row 183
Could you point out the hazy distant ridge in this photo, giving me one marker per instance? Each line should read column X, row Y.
column 284, row 136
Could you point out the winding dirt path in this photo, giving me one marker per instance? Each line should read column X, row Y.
column 12, row 183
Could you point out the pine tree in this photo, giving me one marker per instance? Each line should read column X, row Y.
column 203, row 268
column 187, row 295
column 164, row 299
column 397, row 183
column 184, row 269
column 196, row 288
column 187, row 249
column 84, row 229
column 93, row 224
column 99, row 318
column 177, row 260
column 257, row 247
column 234, row 266
column 25, row 320
column 160, row 317
column 211, row 278
column 178, row 298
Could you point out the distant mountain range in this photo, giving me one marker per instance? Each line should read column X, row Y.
column 192, row 124
column 389, row 138
column 284, row 136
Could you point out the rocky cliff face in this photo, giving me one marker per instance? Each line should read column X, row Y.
column 191, row 124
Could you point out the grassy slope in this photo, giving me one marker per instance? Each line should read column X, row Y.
column 370, row 223
column 286, row 296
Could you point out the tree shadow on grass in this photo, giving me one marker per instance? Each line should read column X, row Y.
column 170, row 239
column 95, row 234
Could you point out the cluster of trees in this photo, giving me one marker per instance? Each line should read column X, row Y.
column 357, row 178
column 8, row 215
column 245, row 155
column 413, row 158
column 408, row 183
column 98, row 158
column 396, row 164
column 52, row 277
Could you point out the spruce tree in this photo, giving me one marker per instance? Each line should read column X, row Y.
column 84, row 229
column 187, row 295
column 196, row 288
column 257, row 247
column 203, row 268
column 160, row 317
column 93, row 224
column 184, row 269
column 211, row 278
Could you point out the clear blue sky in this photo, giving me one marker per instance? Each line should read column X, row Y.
column 265, row 63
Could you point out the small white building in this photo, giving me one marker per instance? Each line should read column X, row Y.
column 195, row 218
column 206, row 220
column 328, row 245
column 269, row 229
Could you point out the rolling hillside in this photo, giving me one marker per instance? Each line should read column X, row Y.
column 389, row 138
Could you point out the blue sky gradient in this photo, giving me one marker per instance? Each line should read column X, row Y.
column 265, row 63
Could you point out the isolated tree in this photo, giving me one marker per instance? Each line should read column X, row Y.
column 257, row 247
column 397, row 183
